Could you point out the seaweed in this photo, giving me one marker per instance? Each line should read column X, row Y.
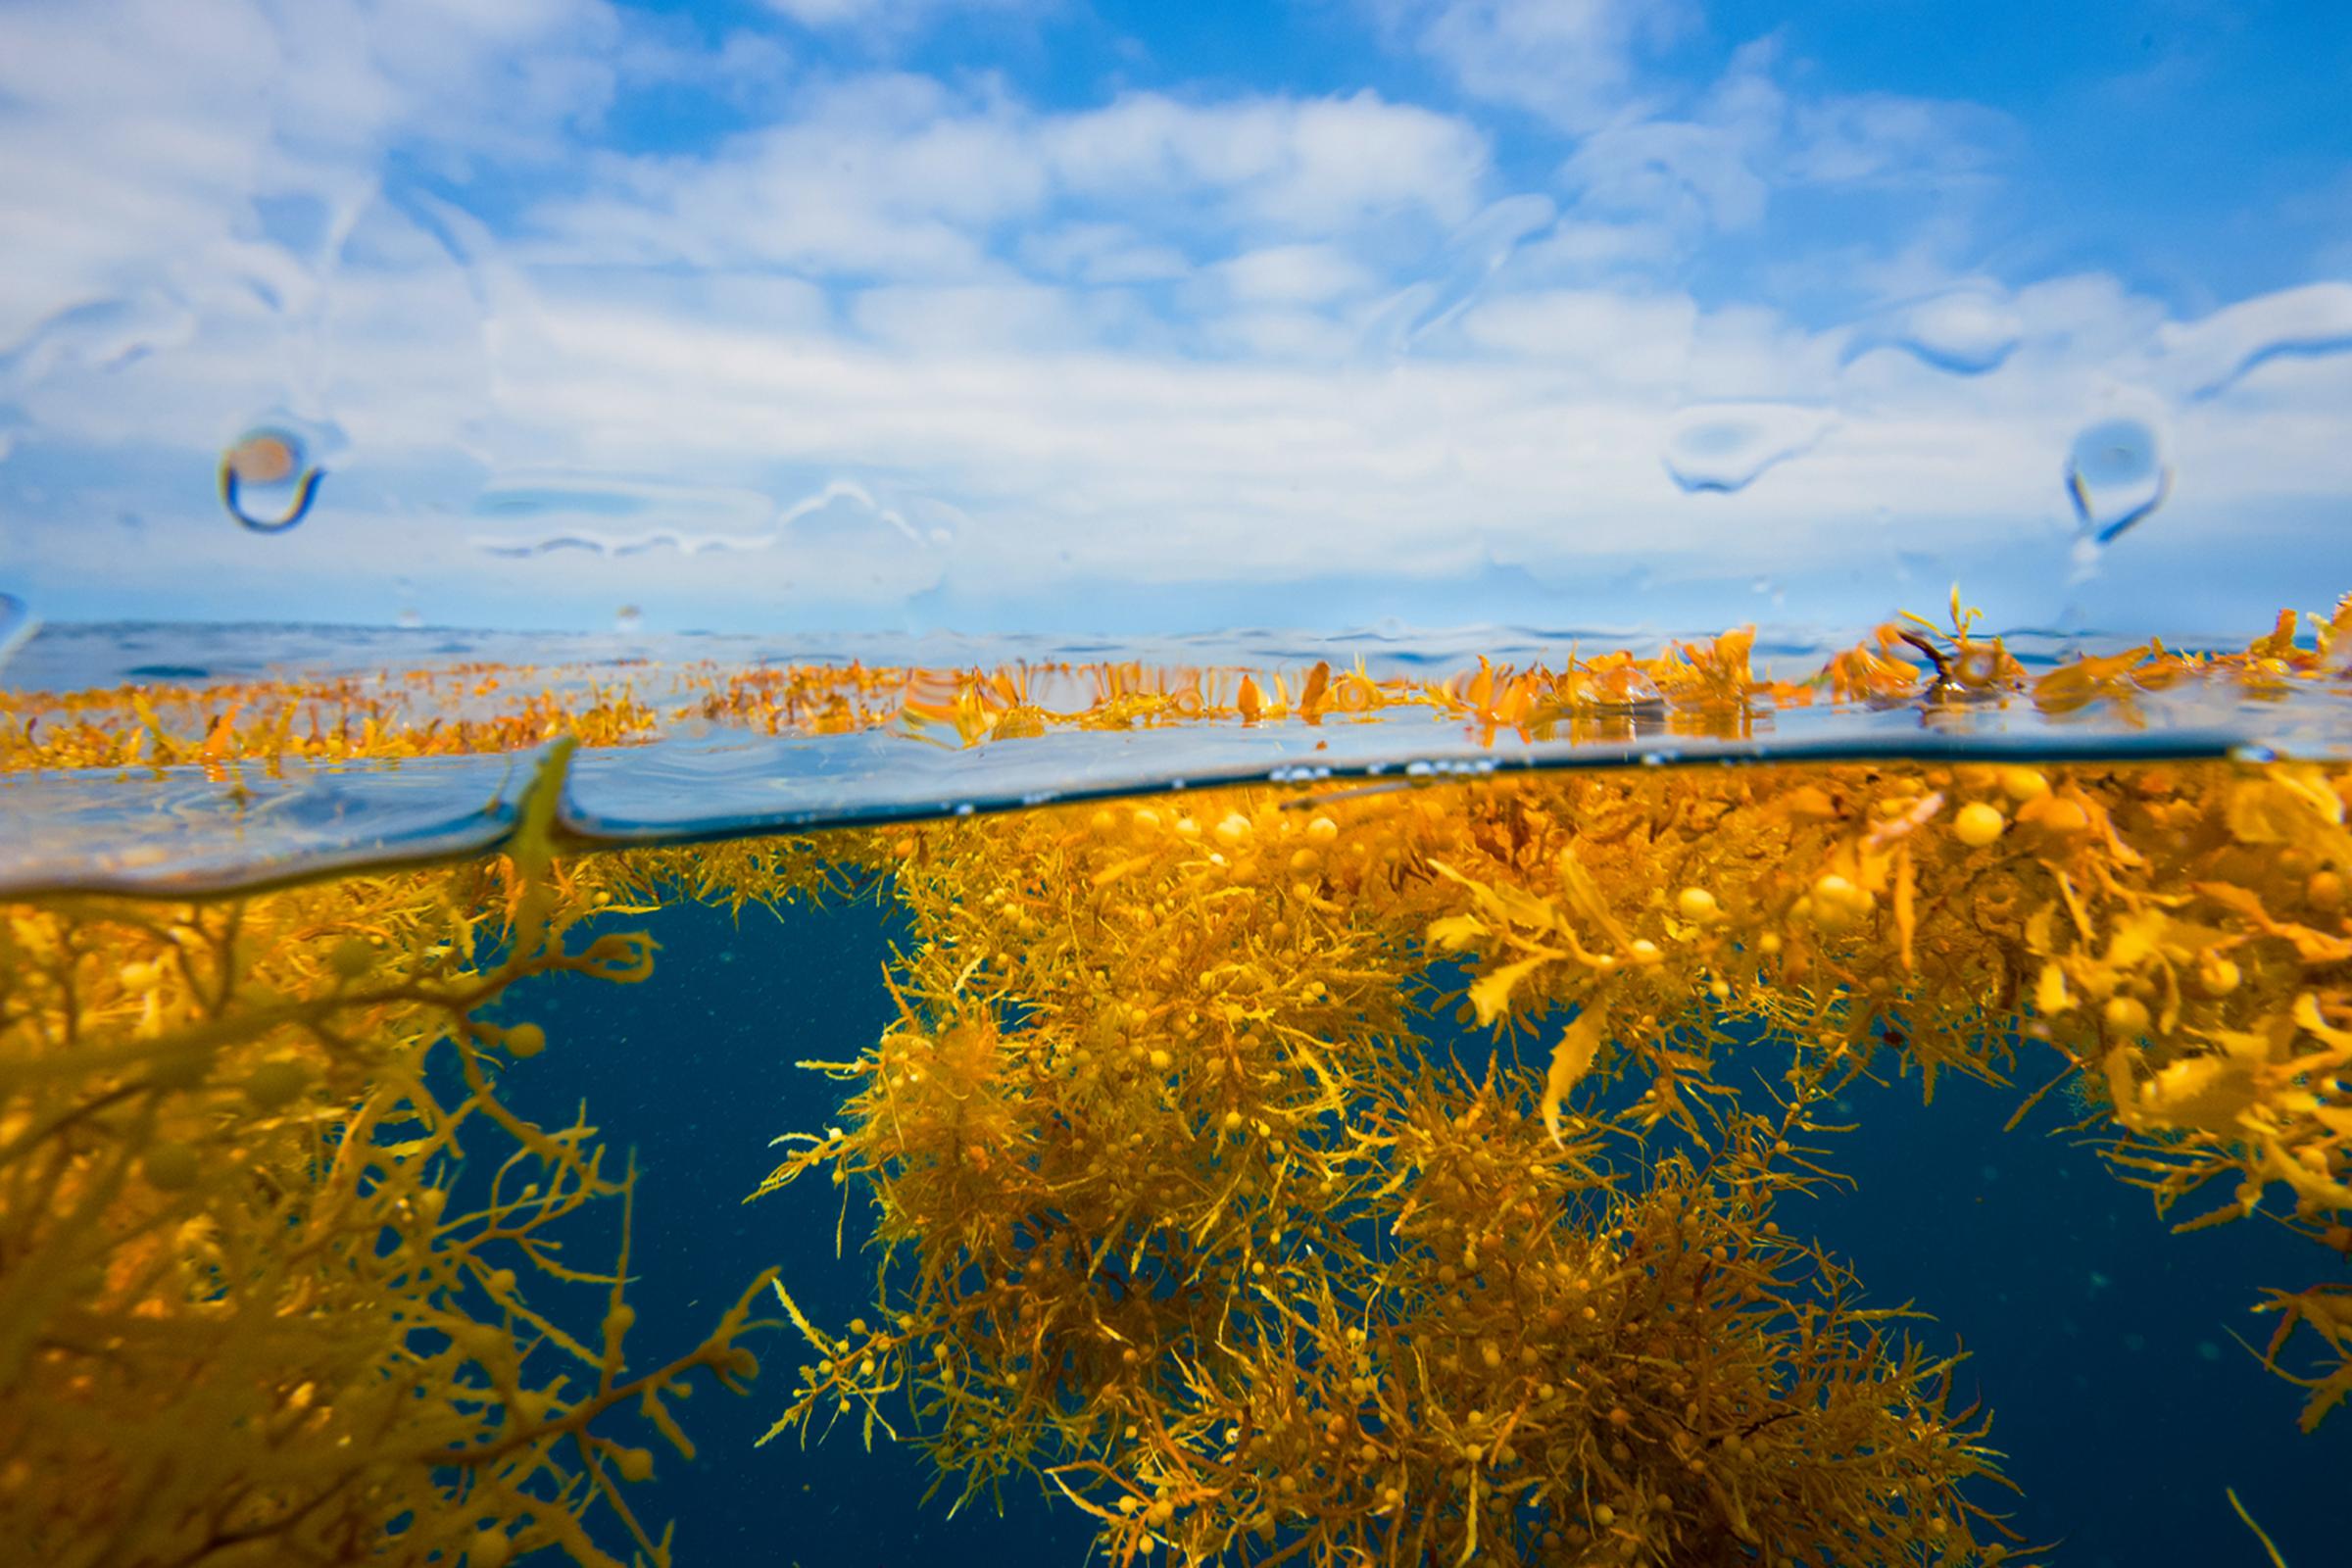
column 241, row 1320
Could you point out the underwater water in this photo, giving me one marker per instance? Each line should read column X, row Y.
column 1590, row 969
column 2109, row 1352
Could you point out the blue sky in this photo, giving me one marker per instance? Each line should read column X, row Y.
column 1050, row 315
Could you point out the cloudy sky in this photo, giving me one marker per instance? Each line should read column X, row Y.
column 1104, row 315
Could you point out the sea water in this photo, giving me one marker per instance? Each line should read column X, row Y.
column 2113, row 1357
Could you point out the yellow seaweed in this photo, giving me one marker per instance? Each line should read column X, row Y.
column 1177, row 1210
column 240, row 1320
column 1160, row 1152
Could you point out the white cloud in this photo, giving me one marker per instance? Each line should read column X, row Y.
column 880, row 176
column 934, row 322
column 1309, row 167
column 1629, row 345
column 1752, row 352
column 894, row 177
column 1748, row 136
column 888, row 15
column 1297, row 275
column 1879, row 140
column 1577, row 61
column 1101, row 253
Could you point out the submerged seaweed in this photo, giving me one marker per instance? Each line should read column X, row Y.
column 1182, row 1216
column 240, row 1318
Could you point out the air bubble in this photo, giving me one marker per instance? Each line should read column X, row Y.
column 1724, row 447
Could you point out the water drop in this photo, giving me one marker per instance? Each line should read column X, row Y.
column 269, row 458
column 110, row 334
column 628, row 619
column 265, row 457
column 1724, row 447
column 1456, row 277
column 2116, row 475
column 2207, row 357
column 1966, row 333
column 578, row 511
column 18, row 623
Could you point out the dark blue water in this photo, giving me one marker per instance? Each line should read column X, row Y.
column 2103, row 1344
column 2108, row 1350
column 693, row 1071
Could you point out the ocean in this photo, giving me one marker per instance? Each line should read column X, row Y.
column 811, row 871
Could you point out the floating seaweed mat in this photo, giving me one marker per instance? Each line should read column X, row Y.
column 183, row 790
column 189, row 831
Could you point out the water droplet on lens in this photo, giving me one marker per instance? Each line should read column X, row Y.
column 2207, row 357
column 1724, row 447
column 106, row 336
column 2116, row 475
column 2118, row 452
column 628, row 619
column 569, row 511
column 410, row 619
column 265, row 457
column 18, row 623
column 269, row 458
column 1966, row 333
column 1458, row 276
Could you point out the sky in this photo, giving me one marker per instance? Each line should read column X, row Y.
column 1113, row 318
